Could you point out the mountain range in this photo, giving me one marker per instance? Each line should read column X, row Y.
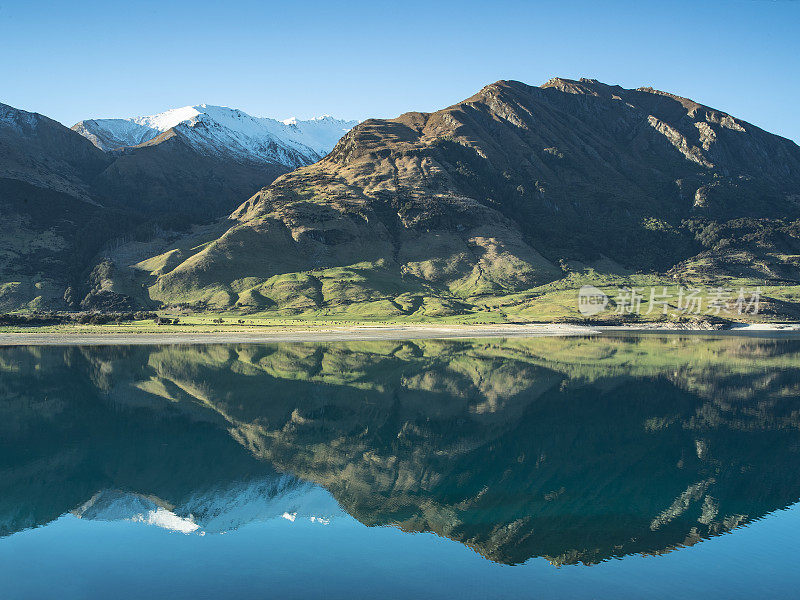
column 486, row 202
column 66, row 194
column 217, row 510
column 224, row 132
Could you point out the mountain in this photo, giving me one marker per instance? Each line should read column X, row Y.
column 41, row 152
column 65, row 196
column 515, row 187
column 53, row 220
column 496, row 207
column 218, row 510
column 196, row 163
column 223, row 132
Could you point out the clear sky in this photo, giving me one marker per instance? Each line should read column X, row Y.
column 354, row 59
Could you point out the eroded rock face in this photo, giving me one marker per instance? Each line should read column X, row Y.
column 489, row 195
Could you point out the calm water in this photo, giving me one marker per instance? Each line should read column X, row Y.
column 630, row 467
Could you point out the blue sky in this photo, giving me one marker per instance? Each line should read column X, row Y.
column 361, row 59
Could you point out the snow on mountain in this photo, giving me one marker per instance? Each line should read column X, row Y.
column 14, row 117
column 218, row 511
column 110, row 134
column 247, row 502
column 113, row 505
column 225, row 132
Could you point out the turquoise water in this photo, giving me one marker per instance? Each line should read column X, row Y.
column 635, row 467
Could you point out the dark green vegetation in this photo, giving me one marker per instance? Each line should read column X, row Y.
column 498, row 207
column 39, row 319
column 572, row 449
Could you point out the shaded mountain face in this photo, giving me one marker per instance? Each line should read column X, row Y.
column 53, row 220
column 576, row 450
column 45, row 154
column 498, row 193
column 177, row 185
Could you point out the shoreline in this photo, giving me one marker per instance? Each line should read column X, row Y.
column 372, row 333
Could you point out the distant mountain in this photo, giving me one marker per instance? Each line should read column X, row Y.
column 508, row 190
column 223, row 132
column 196, row 163
column 217, row 510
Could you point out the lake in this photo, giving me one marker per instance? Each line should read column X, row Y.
column 657, row 466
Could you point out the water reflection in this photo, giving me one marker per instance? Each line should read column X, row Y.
column 576, row 450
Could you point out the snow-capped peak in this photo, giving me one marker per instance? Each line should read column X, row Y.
column 168, row 119
column 295, row 120
column 224, row 131
column 218, row 511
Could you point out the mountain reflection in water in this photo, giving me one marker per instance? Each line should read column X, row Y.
column 572, row 449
